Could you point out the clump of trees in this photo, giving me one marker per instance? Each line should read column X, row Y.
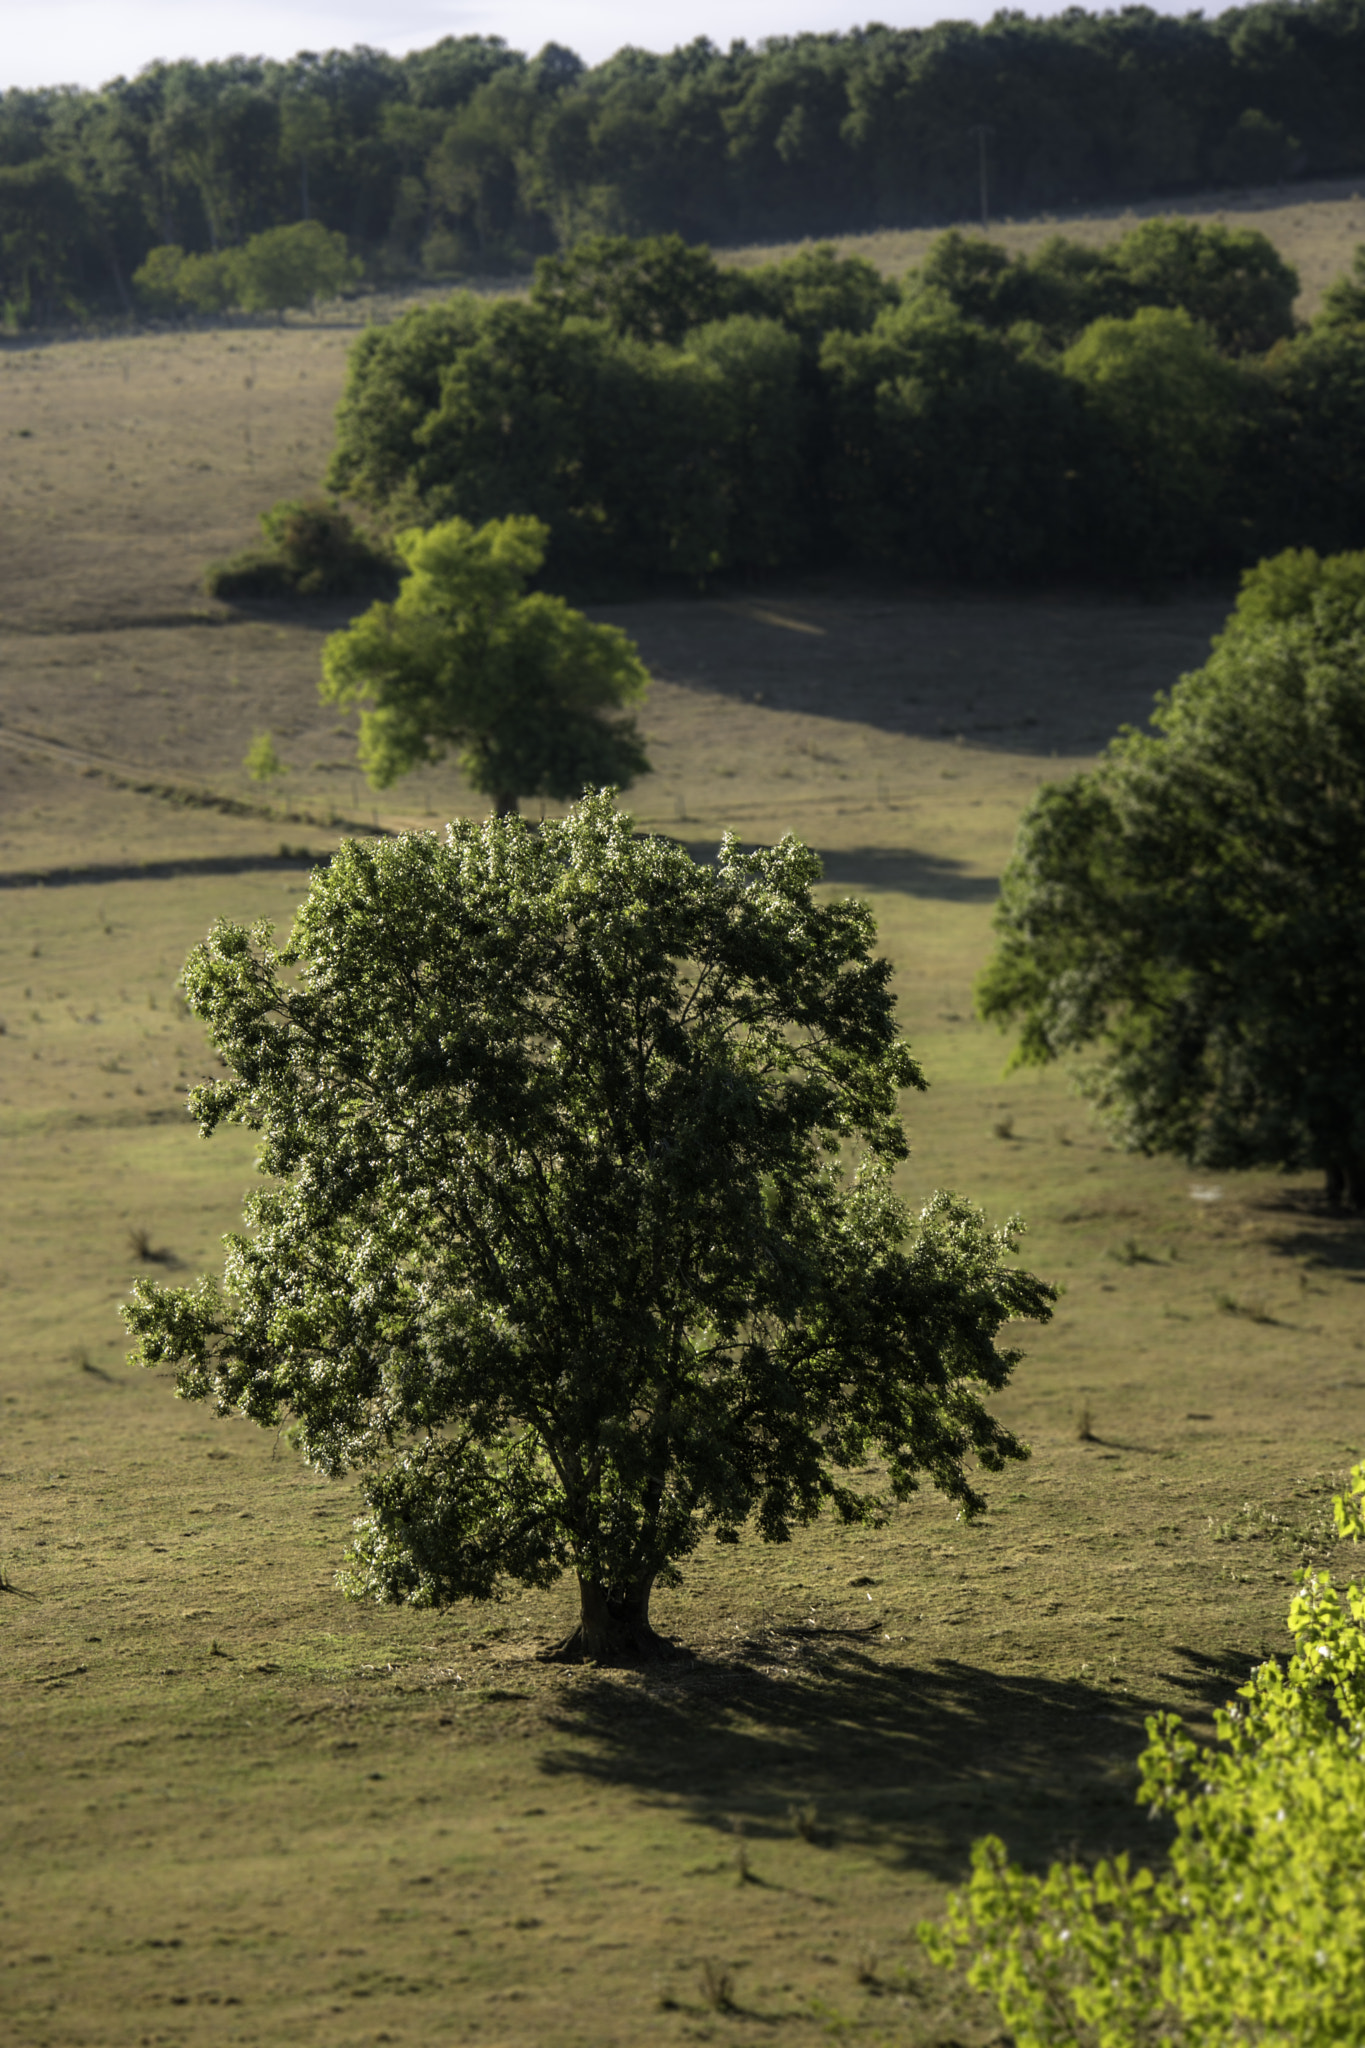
column 313, row 549
column 280, row 268
column 558, row 1249
column 525, row 687
column 1147, row 410
column 1252, row 1929
column 470, row 155
column 1189, row 916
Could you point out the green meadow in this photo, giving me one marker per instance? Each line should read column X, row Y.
column 239, row 1808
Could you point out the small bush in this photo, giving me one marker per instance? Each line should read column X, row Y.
column 315, row 550
column 282, row 267
column 262, row 761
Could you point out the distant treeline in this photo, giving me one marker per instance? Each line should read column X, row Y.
column 1140, row 411
column 469, row 154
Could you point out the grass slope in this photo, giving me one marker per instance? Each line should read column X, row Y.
column 238, row 1808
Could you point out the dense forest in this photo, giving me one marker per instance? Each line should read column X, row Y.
column 469, row 155
column 1140, row 411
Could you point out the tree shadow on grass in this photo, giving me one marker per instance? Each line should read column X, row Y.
column 1324, row 1236
column 806, row 1731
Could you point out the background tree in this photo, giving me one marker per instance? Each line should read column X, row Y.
column 652, row 288
column 559, row 1253
column 1166, row 411
column 524, row 685
column 1191, row 913
column 1233, row 280
column 468, row 151
column 292, row 266
column 953, row 451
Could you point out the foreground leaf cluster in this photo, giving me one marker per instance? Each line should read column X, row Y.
column 1255, row 1932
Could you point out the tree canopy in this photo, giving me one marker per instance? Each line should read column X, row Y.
column 1190, row 914
column 1141, row 411
column 579, row 1242
column 522, row 684
column 468, row 155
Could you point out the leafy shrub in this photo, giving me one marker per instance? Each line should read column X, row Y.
column 315, row 550
column 156, row 279
column 290, row 266
column 1256, row 1931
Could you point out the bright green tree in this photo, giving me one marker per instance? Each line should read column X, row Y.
column 207, row 283
column 1190, row 914
column 524, row 685
column 1254, row 1930
column 263, row 763
column 559, row 1250
column 156, row 279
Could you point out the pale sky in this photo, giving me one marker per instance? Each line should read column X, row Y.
column 86, row 42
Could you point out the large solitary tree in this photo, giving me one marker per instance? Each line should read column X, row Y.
column 1190, row 914
column 580, row 1242
column 525, row 687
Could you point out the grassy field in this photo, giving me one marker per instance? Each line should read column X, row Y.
column 238, row 1808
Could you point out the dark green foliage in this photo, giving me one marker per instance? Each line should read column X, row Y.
column 524, row 686
column 955, row 453
column 1165, row 412
column 1065, row 415
column 1305, row 449
column 393, row 384
column 816, row 293
column 1343, row 303
column 315, row 550
column 608, row 440
column 1232, row 280
column 43, row 233
column 467, row 155
column 559, row 1250
column 763, row 410
column 1191, row 913
column 648, row 290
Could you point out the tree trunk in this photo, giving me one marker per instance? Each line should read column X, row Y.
column 613, row 1627
column 1346, row 1183
column 505, row 804
column 111, row 258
